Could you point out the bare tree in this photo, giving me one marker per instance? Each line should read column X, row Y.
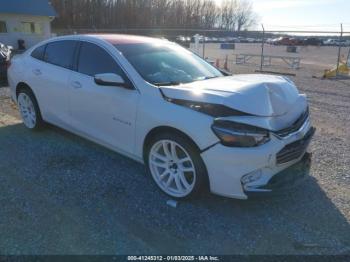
column 228, row 14
column 94, row 14
column 237, row 15
column 245, row 15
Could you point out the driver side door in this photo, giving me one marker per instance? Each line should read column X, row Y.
column 106, row 114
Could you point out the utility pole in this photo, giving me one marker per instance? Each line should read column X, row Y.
column 203, row 51
column 339, row 49
column 262, row 48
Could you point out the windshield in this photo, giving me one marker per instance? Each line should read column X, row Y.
column 167, row 64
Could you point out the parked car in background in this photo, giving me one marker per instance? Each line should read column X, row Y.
column 343, row 42
column 313, row 41
column 234, row 40
column 183, row 40
column 330, row 42
column 222, row 40
column 152, row 100
column 243, row 39
column 337, row 42
column 269, row 41
column 201, row 39
column 285, row 41
column 251, row 40
column 298, row 40
column 180, row 39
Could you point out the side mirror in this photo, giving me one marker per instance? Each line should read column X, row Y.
column 111, row 79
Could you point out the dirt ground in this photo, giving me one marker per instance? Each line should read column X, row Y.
column 314, row 59
column 60, row 194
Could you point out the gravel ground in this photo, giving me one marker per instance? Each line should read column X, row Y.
column 61, row 194
column 314, row 60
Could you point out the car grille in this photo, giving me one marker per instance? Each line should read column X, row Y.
column 295, row 126
column 294, row 150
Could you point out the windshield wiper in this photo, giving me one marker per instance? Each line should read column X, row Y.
column 170, row 83
column 175, row 83
column 210, row 77
column 205, row 78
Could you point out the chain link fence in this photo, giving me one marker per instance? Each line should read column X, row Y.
column 289, row 51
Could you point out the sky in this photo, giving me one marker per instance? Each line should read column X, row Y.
column 303, row 14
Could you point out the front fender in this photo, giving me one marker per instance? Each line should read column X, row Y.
column 156, row 112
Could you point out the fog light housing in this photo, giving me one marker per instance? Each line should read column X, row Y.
column 251, row 177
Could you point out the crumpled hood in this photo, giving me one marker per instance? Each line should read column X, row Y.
column 260, row 95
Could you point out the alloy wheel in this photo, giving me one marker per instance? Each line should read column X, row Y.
column 27, row 110
column 172, row 168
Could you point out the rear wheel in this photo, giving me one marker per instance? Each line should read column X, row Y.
column 29, row 109
column 175, row 165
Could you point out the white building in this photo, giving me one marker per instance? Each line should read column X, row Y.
column 29, row 20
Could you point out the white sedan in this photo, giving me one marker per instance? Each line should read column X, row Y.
column 194, row 127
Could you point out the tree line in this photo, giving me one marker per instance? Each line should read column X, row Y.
column 234, row 15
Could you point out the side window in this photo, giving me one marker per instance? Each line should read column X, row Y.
column 94, row 60
column 38, row 52
column 61, row 53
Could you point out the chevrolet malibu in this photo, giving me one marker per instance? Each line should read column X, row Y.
column 194, row 127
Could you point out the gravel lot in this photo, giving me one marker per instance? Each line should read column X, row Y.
column 314, row 60
column 61, row 194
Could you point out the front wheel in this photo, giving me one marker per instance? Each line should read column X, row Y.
column 175, row 165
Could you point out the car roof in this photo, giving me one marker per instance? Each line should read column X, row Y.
column 113, row 39
column 116, row 39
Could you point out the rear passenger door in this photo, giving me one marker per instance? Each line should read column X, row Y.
column 104, row 113
column 49, row 76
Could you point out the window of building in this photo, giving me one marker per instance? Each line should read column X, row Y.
column 32, row 28
column 38, row 28
column 28, row 27
column 3, row 28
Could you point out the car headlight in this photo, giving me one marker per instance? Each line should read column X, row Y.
column 239, row 135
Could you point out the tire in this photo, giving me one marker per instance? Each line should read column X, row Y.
column 29, row 110
column 185, row 171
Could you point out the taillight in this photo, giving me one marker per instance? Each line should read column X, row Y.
column 8, row 64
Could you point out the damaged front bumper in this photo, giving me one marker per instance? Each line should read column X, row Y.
column 268, row 169
column 283, row 181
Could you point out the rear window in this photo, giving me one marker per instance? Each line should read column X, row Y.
column 38, row 52
column 61, row 53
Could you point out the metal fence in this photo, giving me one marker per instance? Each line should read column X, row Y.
column 284, row 51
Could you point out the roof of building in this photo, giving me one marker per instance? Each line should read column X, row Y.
column 27, row 7
column 116, row 39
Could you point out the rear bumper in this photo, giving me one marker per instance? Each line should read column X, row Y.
column 283, row 181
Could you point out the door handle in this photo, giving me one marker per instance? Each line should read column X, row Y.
column 37, row 72
column 76, row 84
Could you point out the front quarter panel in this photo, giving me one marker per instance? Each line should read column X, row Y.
column 155, row 112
